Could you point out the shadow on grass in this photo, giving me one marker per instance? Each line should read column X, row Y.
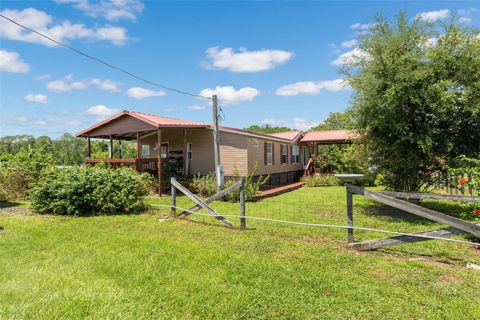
column 390, row 212
column 8, row 204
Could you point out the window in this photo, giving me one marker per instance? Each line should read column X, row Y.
column 284, row 154
column 268, row 153
column 164, row 150
column 145, row 150
column 189, row 151
column 296, row 153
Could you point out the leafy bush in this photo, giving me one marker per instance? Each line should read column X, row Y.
column 204, row 186
column 20, row 171
column 90, row 190
column 252, row 185
column 318, row 180
column 468, row 177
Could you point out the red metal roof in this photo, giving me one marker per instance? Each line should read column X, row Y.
column 151, row 119
column 289, row 135
column 254, row 133
column 159, row 121
column 329, row 136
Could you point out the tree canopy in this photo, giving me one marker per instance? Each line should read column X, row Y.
column 266, row 128
column 416, row 97
column 66, row 150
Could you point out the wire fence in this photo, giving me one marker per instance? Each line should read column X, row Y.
column 319, row 214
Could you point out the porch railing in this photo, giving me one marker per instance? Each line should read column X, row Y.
column 142, row 165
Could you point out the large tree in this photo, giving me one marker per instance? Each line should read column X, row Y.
column 416, row 97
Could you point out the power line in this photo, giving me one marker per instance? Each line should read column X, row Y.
column 103, row 62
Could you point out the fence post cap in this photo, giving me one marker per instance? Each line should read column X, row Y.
column 350, row 177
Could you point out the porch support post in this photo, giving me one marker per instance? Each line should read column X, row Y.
column 138, row 145
column 120, row 148
column 89, row 148
column 159, row 160
column 185, row 156
column 110, row 150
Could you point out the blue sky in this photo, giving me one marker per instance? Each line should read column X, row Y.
column 269, row 62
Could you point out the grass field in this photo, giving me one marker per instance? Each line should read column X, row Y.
column 144, row 267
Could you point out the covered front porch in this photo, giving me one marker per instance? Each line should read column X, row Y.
column 314, row 141
column 163, row 145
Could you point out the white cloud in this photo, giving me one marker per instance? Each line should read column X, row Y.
column 105, row 84
column 37, row 98
column 196, row 107
column 141, row 93
column 349, row 43
column 228, row 95
column 63, row 31
column 111, row 10
column 432, row 16
column 351, row 57
column 16, row 121
column 295, row 123
column 66, row 84
column 466, row 12
column 464, row 20
column 169, row 109
column 11, row 62
column 362, row 26
column 312, row 88
column 43, row 77
column 101, row 111
column 40, row 122
column 245, row 61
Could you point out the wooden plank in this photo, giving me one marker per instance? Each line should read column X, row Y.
column 416, row 210
column 215, row 197
column 243, row 220
column 174, row 200
column 404, row 239
column 159, row 160
column 350, row 216
column 408, row 195
column 89, row 148
column 202, row 204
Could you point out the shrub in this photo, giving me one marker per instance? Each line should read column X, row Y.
column 204, row 186
column 90, row 190
column 252, row 185
column 318, row 180
column 20, row 171
column 468, row 177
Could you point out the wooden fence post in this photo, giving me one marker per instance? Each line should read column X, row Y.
column 243, row 220
column 174, row 199
column 350, row 216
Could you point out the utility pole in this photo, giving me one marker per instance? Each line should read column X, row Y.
column 216, row 144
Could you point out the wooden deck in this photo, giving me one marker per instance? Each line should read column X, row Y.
column 279, row 190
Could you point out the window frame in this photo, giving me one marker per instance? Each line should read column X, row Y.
column 296, row 155
column 283, row 154
column 269, row 153
column 189, row 151
column 145, row 147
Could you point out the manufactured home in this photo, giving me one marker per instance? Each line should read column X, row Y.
column 186, row 148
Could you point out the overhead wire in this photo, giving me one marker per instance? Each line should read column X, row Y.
column 104, row 62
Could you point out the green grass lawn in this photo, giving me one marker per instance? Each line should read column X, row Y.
column 144, row 267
